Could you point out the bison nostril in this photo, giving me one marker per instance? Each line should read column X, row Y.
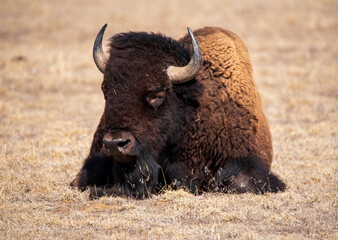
column 122, row 143
column 117, row 145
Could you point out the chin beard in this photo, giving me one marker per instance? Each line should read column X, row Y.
column 104, row 176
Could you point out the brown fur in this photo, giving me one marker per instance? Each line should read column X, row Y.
column 231, row 106
column 209, row 133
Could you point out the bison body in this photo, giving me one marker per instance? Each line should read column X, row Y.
column 205, row 133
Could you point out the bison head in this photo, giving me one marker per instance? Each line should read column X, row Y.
column 150, row 88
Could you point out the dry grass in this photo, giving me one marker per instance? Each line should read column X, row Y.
column 50, row 104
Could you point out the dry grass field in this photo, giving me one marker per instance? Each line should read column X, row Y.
column 51, row 102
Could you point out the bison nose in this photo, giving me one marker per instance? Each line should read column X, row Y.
column 121, row 145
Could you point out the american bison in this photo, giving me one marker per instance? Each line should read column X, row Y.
column 171, row 119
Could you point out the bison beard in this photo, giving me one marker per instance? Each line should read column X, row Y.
column 138, row 179
column 170, row 126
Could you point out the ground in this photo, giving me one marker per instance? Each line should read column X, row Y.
column 50, row 105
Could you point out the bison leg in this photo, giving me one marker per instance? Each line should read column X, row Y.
column 249, row 175
column 95, row 171
column 137, row 179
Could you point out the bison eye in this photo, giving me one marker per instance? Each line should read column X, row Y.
column 155, row 99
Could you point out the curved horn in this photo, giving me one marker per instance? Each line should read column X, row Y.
column 99, row 58
column 179, row 75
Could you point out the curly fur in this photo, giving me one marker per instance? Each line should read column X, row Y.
column 209, row 134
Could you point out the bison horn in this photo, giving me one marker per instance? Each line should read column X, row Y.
column 99, row 58
column 179, row 75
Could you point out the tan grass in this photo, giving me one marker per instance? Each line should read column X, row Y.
column 50, row 104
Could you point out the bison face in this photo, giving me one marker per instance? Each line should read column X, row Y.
column 143, row 115
column 147, row 97
column 134, row 115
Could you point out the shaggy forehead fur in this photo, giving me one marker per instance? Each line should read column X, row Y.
column 135, row 54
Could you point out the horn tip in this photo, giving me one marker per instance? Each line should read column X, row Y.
column 104, row 27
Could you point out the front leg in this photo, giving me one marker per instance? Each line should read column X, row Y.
column 97, row 170
column 249, row 175
column 138, row 179
column 177, row 175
